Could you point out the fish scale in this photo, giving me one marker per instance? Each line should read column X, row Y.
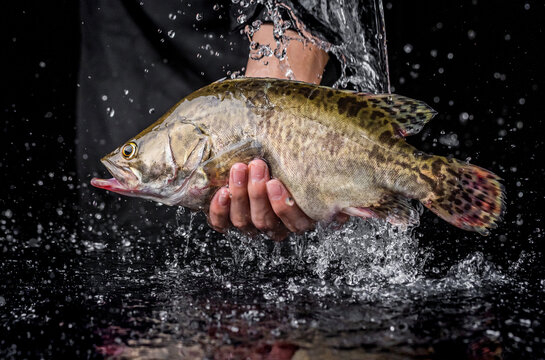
column 335, row 151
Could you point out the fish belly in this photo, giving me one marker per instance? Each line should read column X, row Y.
column 324, row 170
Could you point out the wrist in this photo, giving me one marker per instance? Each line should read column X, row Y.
column 304, row 61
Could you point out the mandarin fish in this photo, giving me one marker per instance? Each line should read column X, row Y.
column 336, row 151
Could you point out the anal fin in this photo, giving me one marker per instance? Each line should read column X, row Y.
column 394, row 208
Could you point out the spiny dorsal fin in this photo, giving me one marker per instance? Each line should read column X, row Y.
column 377, row 114
column 402, row 115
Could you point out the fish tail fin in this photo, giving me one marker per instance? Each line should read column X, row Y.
column 467, row 196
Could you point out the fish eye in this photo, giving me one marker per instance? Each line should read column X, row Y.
column 129, row 150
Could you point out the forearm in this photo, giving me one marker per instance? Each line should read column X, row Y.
column 305, row 60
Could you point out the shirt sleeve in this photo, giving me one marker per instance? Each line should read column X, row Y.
column 314, row 21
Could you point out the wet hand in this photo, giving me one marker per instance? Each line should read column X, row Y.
column 253, row 201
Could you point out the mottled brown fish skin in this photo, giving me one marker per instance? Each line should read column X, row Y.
column 311, row 141
column 335, row 151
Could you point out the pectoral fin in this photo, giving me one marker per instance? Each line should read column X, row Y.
column 218, row 166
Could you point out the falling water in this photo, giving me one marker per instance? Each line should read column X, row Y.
column 360, row 38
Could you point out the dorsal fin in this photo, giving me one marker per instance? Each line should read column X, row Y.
column 402, row 115
column 378, row 115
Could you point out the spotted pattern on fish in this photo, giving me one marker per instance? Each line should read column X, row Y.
column 337, row 149
column 468, row 196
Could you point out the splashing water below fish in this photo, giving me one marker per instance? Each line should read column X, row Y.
column 356, row 291
column 179, row 290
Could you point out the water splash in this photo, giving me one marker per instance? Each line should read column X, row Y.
column 360, row 45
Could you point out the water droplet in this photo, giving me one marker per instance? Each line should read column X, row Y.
column 216, row 7
column 241, row 19
column 408, row 48
column 290, row 201
column 471, row 34
column 198, row 17
column 104, row 97
column 171, row 33
column 42, row 64
column 172, row 16
column 126, row 92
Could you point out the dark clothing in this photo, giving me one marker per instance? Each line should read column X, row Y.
column 138, row 59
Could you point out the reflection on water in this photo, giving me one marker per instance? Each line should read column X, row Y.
column 183, row 292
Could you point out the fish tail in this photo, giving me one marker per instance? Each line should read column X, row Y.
column 465, row 195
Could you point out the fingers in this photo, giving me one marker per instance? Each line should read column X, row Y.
column 261, row 212
column 219, row 210
column 252, row 199
column 240, row 205
column 285, row 208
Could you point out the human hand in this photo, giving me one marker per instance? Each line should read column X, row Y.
column 253, row 201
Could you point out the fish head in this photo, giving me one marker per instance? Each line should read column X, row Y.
column 157, row 164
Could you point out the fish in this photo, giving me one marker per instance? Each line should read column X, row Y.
column 336, row 151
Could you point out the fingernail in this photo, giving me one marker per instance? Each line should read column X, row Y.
column 257, row 171
column 239, row 177
column 275, row 190
column 223, row 199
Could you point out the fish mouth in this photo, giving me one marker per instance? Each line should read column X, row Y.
column 110, row 184
column 113, row 184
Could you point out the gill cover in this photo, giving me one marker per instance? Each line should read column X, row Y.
column 189, row 147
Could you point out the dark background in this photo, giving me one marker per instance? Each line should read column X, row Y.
column 477, row 63
column 488, row 91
